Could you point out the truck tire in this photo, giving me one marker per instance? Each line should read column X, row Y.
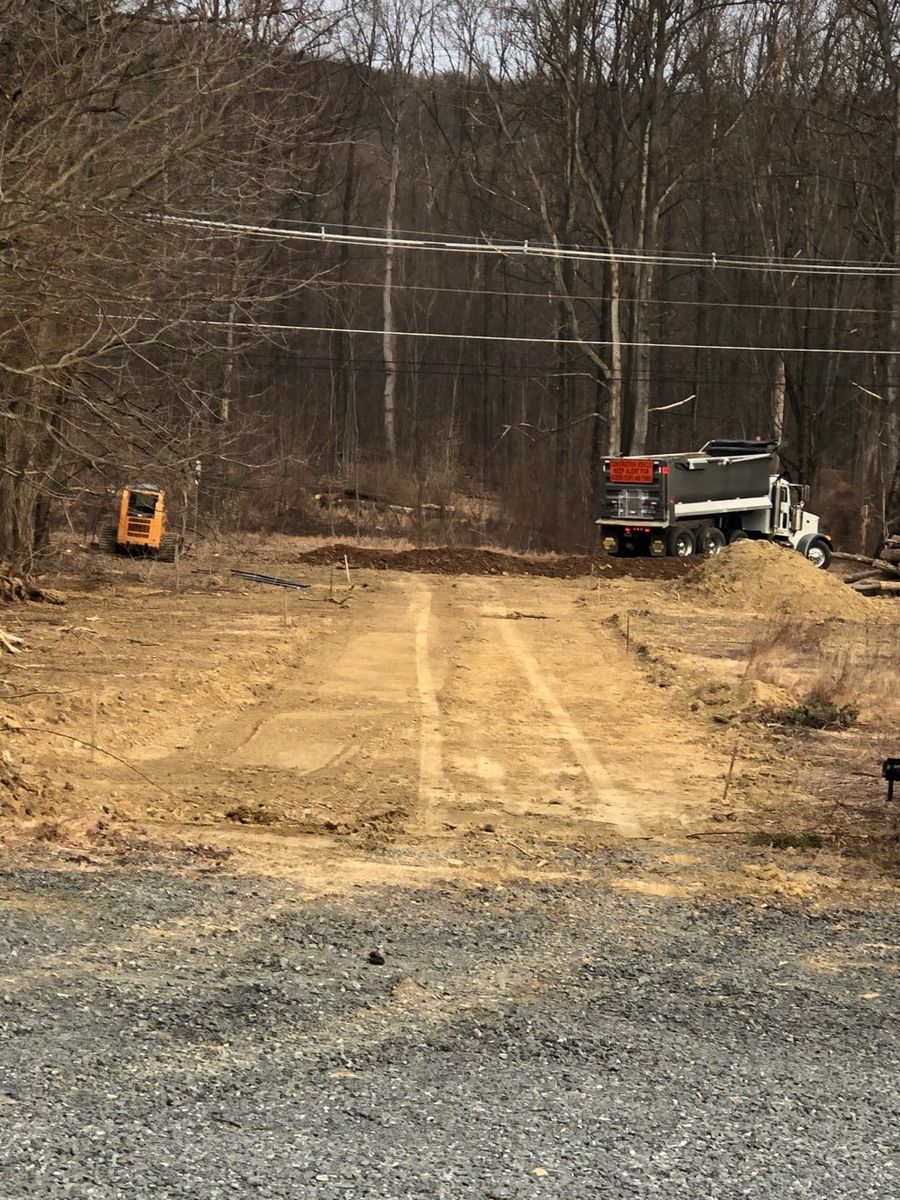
column 169, row 547
column 107, row 539
column 711, row 540
column 818, row 552
column 737, row 535
column 681, row 542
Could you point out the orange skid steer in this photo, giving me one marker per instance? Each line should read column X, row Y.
column 141, row 526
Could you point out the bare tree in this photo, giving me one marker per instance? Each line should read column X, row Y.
column 116, row 121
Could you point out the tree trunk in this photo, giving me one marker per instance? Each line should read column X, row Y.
column 614, row 382
column 389, row 341
column 891, row 386
column 779, row 391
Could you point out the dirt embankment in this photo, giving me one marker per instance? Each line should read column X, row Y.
column 764, row 578
column 463, row 560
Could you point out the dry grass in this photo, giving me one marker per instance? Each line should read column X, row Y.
column 834, row 663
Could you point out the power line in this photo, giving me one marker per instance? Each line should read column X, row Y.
column 763, row 260
column 328, row 286
column 553, row 296
column 270, row 327
column 486, row 246
column 513, row 372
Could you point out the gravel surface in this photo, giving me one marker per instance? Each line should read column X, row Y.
column 169, row 1035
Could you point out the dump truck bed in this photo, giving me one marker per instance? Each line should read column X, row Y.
column 667, row 487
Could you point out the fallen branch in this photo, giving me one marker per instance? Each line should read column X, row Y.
column 10, row 643
column 513, row 614
column 720, row 833
column 93, row 746
column 878, row 563
column 13, row 587
column 875, row 587
column 520, row 848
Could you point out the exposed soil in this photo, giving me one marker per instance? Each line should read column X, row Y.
column 757, row 576
column 461, row 560
column 500, row 716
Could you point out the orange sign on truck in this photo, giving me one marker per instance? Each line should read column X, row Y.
column 631, row 470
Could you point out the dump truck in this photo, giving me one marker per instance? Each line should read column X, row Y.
column 699, row 502
column 141, row 525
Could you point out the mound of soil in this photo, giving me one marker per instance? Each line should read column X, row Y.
column 16, row 792
column 465, row 560
column 765, row 578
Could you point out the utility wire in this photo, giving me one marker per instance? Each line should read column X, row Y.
column 764, row 260
column 270, row 327
column 539, row 250
column 326, row 284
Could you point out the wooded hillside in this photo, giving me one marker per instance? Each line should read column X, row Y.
column 659, row 221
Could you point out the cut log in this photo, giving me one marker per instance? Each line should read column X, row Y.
column 10, row 643
column 45, row 595
column 875, row 587
column 878, row 563
column 13, row 587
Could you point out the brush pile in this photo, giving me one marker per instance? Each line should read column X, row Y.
column 881, row 575
column 15, row 587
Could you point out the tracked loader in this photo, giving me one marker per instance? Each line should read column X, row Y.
column 141, row 525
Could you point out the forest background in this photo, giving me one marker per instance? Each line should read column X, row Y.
column 442, row 255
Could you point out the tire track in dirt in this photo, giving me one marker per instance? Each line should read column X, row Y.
column 431, row 775
column 613, row 803
column 428, row 711
column 551, row 729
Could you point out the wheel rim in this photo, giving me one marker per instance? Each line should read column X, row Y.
column 816, row 556
column 713, row 546
column 684, row 547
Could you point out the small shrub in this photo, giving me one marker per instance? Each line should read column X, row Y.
column 788, row 841
column 813, row 713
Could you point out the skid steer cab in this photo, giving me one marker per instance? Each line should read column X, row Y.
column 141, row 525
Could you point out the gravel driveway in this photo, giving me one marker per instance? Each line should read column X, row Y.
column 166, row 1034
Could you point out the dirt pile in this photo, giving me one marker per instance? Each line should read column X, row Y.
column 765, row 578
column 464, row 560
column 17, row 793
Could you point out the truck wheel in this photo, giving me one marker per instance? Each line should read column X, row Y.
column 711, row 540
column 818, row 552
column 107, row 539
column 737, row 535
column 169, row 546
column 681, row 542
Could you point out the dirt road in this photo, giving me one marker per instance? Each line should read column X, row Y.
column 442, row 713
column 440, row 706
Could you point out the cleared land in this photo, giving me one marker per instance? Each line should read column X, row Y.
column 453, row 884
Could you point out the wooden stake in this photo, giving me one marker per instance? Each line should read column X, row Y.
column 347, row 569
column 737, row 742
